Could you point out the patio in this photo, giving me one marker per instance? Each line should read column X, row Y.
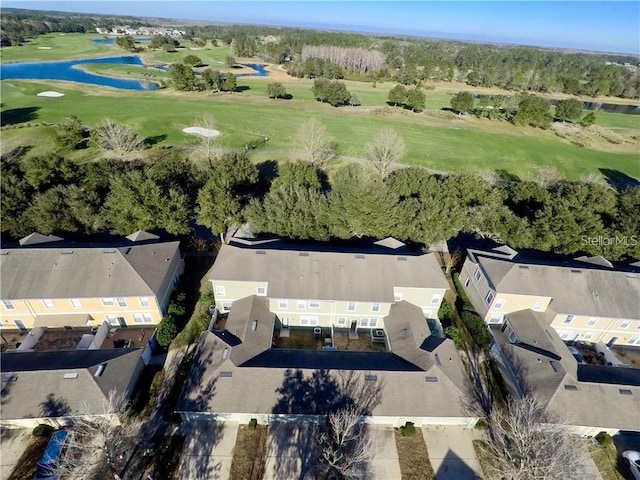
column 306, row 338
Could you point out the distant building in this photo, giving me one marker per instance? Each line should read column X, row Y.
column 585, row 299
column 48, row 282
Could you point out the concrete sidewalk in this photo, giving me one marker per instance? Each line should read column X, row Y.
column 208, row 450
column 451, row 452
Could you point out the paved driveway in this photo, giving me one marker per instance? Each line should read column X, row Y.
column 208, row 450
column 13, row 442
column 385, row 464
column 451, row 452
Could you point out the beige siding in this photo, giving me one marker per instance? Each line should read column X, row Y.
column 421, row 297
column 514, row 303
column 226, row 291
column 603, row 330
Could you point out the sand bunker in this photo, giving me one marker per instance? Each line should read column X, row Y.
column 203, row 132
column 51, row 94
column 44, row 48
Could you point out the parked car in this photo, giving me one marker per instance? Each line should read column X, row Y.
column 48, row 464
column 633, row 459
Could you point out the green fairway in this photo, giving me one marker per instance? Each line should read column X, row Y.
column 449, row 145
column 57, row 46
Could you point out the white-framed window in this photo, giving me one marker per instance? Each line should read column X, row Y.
column 226, row 306
column 142, row 318
column 373, row 322
column 108, row 302
column 427, row 312
column 397, row 297
column 342, row 321
column 351, row 306
column 513, row 338
column 478, row 274
column 589, row 335
column 307, row 321
column 283, row 304
column 8, row 304
column 466, row 282
column 489, row 298
column 375, row 307
column 112, row 319
column 625, row 323
column 568, row 319
column 496, row 318
column 592, row 321
column 314, row 303
column 633, row 340
column 364, row 322
column 499, row 304
column 435, row 300
column 122, row 302
column 47, row 303
column 75, row 303
column 538, row 306
column 220, row 291
column 261, row 291
column 302, row 305
column 144, row 301
column 564, row 334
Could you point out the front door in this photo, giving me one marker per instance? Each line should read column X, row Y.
column 354, row 326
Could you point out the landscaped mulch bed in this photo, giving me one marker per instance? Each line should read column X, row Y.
column 413, row 456
column 249, row 455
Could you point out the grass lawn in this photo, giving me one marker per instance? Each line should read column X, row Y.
column 413, row 456
column 606, row 459
column 249, row 454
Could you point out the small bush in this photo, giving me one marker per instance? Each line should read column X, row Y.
column 481, row 424
column 42, row 430
column 454, row 334
column 444, row 314
column 253, row 424
column 604, row 439
column 408, row 430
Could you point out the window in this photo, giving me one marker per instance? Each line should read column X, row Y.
column 499, row 304
column 283, row 304
column 75, row 303
column 142, row 318
column 314, row 304
column 226, row 306
column 625, row 323
column 466, row 282
column 588, row 335
column 435, row 300
column 364, row 322
column 308, row 321
column 47, row 303
column 302, row 305
column 397, row 297
column 144, row 301
column 375, row 307
column 565, row 335
column 633, row 340
column 495, row 318
column 373, row 322
column 20, row 325
column 489, row 298
column 220, row 291
column 342, row 321
column 592, row 321
column 122, row 302
column 8, row 304
column 112, row 319
column 513, row 338
column 351, row 307
column 538, row 306
column 477, row 275
column 261, row 291
column 108, row 302
column 568, row 319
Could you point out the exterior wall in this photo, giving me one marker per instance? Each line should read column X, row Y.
column 175, row 271
column 28, row 311
column 604, row 329
column 422, row 297
column 234, row 291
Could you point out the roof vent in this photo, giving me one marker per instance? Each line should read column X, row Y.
column 557, row 367
column 523, row 267
column 4, row 252
column 631, row 275
column 100, row 370
column 402, row 259
column 303, row 254
column 437, row 357
column 571, row 388
column 625, row 391
column 430, row 379
column 71, row 375
column 110, row 250
column 9, row 377
column 260, row 252
column 254, row 325
column 406, row 333
column 225, row 353
column 576, row 271
column 371, row 378
column 360, row 257
column 226, row 374
column 66, row 252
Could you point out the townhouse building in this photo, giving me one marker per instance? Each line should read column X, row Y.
column 585, row 299
column 48, row 282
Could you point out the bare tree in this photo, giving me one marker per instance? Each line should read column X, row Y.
column 353, row 59
column 116, row 140
column 385, row 150
column 207, row 144
column 548, row 177
column 528, row 443
column 99, row 438
column 315, row 141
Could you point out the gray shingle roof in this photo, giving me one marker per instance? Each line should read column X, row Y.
column 30, row 379
column 305, row 271
column 80, row 272
column 579, row 291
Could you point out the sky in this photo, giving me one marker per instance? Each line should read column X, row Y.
column 589, row 25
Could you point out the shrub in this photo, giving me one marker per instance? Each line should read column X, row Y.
column 454, row 334
column 604, row 439
column 167, row 331
column 477, row 329
column 42, row 430
column 408, row 430
column 253, row 424
column 481, row 424
column 444, row 314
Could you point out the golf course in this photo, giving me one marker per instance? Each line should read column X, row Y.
column 436, row 138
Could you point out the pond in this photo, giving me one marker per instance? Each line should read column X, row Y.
column 68, row 70
column 605, row 107
column 112, row 40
